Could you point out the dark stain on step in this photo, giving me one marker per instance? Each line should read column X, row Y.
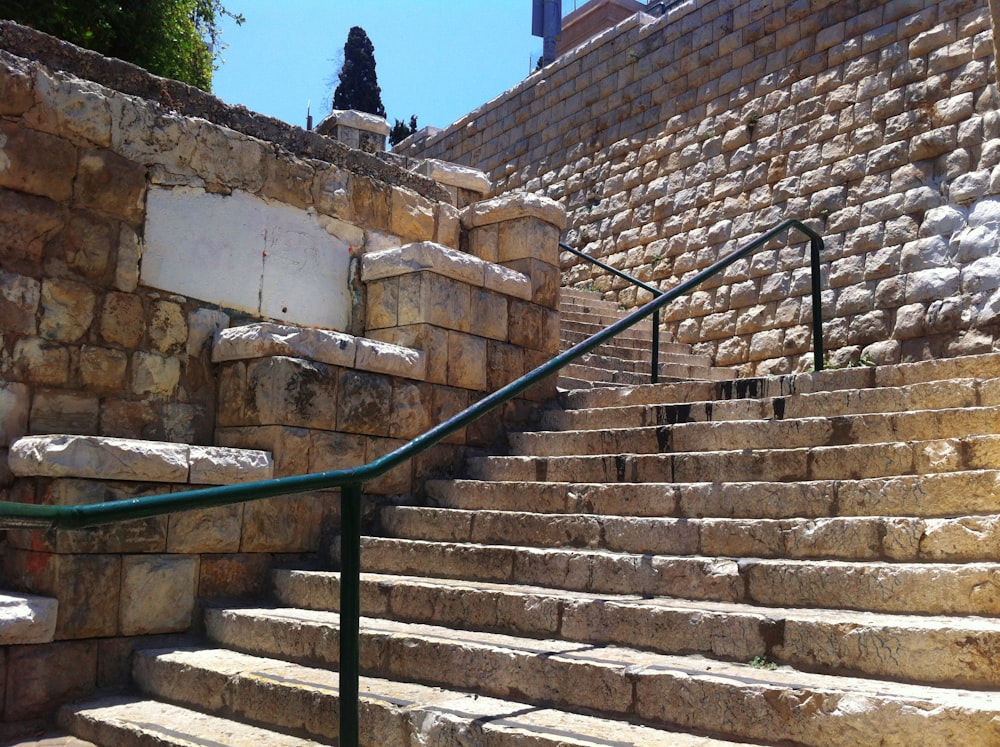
column 772, row 632
column 778, row 403
column 841, row 433
column 743, row 389
column 673, row 414
column 541, row 470
column 663, row 433
column 621, row 462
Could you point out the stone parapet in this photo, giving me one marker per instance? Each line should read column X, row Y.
column 355, row 129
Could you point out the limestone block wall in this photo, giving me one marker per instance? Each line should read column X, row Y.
column 672, row 140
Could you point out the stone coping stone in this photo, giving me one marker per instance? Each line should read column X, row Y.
column 26, row 619
column 513, row 206
column 422, row 256
column 266, row 339
column 105, row 458
column 455, row 175
column 352, row 118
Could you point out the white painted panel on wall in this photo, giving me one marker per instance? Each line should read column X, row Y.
column 241, row 252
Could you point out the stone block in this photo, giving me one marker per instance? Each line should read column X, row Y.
column 383, row 357
column 534, row 327
column 467, row 361
column 330, row 192
column 363, row 403
column 157, row 594
column 484, row 242
column 19, row 301
column 210, row 530
column 291, row 523
column 100, row 458
column 504, row 363
column 291, row 391
column 167, row 327
column 234, row 575
column 382, row 304
column 111, row 184
column 288, row 180
column 67, row 310
column 38, row 361
column 448, row 230
column 331, row 451
column 289, row 447
column 103, row 369
column 47, row 676
column 29, row 222
column 265, row 339
column 215, row 465
column 426, row 297
column 128, row 419
column 16, row 90
column 15, row 400
column 431, row 340
column 36, row 163
column 86, row 587
column 26, row 619
column 545, row 280
column 369, row 202
column 423, row 256
column 449, row 401
column 513, row 206
column 489, row 314
column 411, row 407
column 64, row 412
column 509, row 282
column 454, row 175
column 411, row 216
column 524, row 238
column 122, row 320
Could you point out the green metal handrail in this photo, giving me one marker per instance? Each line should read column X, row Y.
column 816, row 246
column 655, row 366
column 351, row 480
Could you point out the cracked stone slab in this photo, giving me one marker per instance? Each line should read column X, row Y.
column 105, row 458
column 26, row 619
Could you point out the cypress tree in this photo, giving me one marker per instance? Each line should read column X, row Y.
column 358, row 88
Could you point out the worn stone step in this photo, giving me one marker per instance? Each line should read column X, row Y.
column 734, row 700
column 668, row 371
column 587, row 330
column 623, row 341
column 393, row 713
column 948, row 494
column 874, row 644
column 854, row 461
column 137, row 722
column 903, row 539
column 923, row 396
column 642, row 363
column 869, row 428
column 873, row 586
column 600, row 319
column 968, row 367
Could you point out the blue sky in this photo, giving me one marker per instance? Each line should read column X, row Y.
column 438, row 59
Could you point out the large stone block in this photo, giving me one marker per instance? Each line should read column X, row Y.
column 55, row 411
column 528, row 238
column 19, row 301
column 26, row 619
column 47, row 676
column 29, row 222
column 36, row 162
column 157, row 593
column 289, row 447
column 431, row 340
column 425, row 297
column 41, row 362
column 364, row 403
column 15, row 400
column 67, row 310
column 410, row 216
column 108, row 183
column 534, row 327
column 209, row 530
column 467, row 361
column 291, row 391
column 122, row 320
column 234, row 575
column 489, row 314
column 291, row 523
column 103, row 369
column 86, row 587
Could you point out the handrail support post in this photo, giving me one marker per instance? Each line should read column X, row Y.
column 656, row 347
column 350, row 612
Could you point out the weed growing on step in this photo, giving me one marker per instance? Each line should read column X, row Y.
column 762, row 662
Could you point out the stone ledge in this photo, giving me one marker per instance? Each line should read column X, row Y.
column 514, row 206
column 267, row 339
column 26, row 619
column 454, row 175
column 426, row 255
column 357, row 120
column 103, row 458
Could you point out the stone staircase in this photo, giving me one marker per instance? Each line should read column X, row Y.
column 808, row 559
column 626, row 359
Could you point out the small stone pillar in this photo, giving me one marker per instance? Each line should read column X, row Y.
column 355, row 129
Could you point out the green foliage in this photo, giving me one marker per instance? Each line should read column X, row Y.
column 177, row 39
column 401, row 130
column 358, row 88
column 762, row 662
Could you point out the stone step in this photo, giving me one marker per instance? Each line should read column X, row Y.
column 393, row 713
column 873, row 644
column 137, row 722
column 568, row 339
column 927, row 395
column 969, row 367
column 870, row 586
column 668, row 371
column 600, row 320
column 734, row 700
column 948, row 494
column 587, row 330
column 642, row 361
column 27, row 618
column 870, row 428
column 854, row 462
column 901, row 539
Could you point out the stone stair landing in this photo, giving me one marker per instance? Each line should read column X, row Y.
column 626, row 359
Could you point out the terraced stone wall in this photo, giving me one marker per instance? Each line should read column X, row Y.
column 673, row 140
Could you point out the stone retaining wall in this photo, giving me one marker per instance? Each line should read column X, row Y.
column 673, row 140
